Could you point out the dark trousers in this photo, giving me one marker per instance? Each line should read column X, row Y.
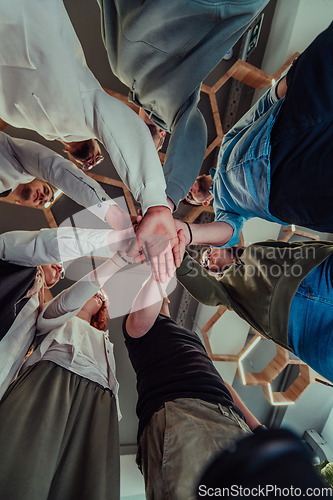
column 58, row 437
column 302, row 141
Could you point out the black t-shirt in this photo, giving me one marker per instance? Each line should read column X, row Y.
column 171, row 362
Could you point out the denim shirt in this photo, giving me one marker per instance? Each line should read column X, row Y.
column 242, row 180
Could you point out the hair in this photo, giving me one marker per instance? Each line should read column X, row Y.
column 201, row 180
column 234, row 251
column 154, row 132
column 101, row 318
column 202, row 189
column 216, row 274
column 82, row 152
column 53, row 192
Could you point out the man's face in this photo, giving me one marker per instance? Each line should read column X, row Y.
column 217, row 259
column 52, row 274
column 34, row 194
column 198, row 197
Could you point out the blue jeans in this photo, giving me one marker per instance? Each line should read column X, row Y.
column 310, row 333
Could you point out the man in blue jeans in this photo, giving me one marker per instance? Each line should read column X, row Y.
column 275, row 163
column 283, row 290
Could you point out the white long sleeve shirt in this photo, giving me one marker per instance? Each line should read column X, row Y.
column 48, row 87
column 21, row 161
column 47, row 246
column 72, row 342
column 33, row 248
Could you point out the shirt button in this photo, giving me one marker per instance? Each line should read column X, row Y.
column 99, row 205
column 103, row 199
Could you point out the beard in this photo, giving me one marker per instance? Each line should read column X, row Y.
column 26, row 192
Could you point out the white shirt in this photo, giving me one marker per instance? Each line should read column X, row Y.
column 81, row 349
column 73, row 343
column 32, row 248
column 47, row 87
column 47, row 246
column 16, row 342
column 21, row 161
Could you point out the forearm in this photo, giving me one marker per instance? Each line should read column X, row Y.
column 204, row 288
column 146, row 307
column 117, row 218
column 214, row 233
column 47, row 246
column 73, row 298
column 251, row 420
column 133, row 153
column 186, row 151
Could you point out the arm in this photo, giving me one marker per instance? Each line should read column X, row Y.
column 250, row 419
column 131, row 148
column 148, row 302
column 215, row 233
column 202, row 286
column 69, row 302
column 146, row 307
column 41, row 162
column 36, row 248
column 186, row 150
column 130, row 145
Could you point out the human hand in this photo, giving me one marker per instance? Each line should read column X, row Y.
column 181, row 243
column 158, row 236
column 162, row 268
column 118, row 219
column 186, row 233
column 121, row 240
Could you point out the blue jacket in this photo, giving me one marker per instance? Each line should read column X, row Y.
column 242, row 180
column 163, row 50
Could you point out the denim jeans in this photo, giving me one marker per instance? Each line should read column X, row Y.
column 179, row 442
column 310, row 333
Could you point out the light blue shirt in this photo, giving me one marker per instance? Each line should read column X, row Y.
column 242, row 180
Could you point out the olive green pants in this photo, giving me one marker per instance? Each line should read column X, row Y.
column 180, row 441
column 58, row 438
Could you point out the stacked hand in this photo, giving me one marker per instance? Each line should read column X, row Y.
column 157, row 239
column 153, row 237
